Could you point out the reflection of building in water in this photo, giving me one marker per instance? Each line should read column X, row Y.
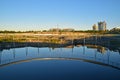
column 101, row 49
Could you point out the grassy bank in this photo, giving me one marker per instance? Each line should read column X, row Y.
column 50, row 37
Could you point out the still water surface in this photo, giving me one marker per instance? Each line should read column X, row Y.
column 68, row 63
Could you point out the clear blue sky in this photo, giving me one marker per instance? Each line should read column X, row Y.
column 45, row 14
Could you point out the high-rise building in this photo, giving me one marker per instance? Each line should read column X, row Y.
column 95, row 27
column 102, row 26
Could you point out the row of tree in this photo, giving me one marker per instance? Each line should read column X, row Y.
column 112, row 31
column 115, row 31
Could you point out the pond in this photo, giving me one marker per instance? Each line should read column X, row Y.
column 73, row 62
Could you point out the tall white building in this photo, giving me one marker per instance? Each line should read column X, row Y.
column 102, row 26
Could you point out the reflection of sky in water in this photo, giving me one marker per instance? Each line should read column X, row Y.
column 32, row 63
column 82, row 52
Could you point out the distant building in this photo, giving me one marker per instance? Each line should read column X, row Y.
column 95, row 27
column 68, row 30
column 102, row 26
column 54, row 29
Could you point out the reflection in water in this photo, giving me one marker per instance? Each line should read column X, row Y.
column 90, row 53
column 58, row 61
column 62, row 59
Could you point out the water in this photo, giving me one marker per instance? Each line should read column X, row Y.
column 62, row 63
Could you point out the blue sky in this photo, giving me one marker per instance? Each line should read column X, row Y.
column 45, row 14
